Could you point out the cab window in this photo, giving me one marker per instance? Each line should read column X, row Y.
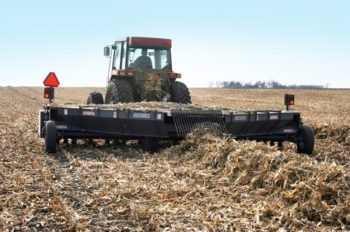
column 147, row 58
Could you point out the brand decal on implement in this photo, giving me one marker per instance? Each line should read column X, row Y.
column 141, row 115
column 89, row 113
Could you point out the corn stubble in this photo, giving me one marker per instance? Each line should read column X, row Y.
column 206, row 182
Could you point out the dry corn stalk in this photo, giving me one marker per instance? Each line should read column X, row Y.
column 152, row 88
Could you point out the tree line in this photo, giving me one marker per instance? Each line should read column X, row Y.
column 262, row 85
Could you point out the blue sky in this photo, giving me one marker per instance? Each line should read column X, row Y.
column 293, row 42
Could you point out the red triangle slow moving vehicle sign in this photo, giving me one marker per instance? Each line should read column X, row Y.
column 51, row 80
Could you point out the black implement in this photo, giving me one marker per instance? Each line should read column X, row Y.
column 161, row 121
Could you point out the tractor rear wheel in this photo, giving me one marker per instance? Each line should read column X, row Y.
column 50, row 137
column 180, row 93
column 95, row 98
column 119, row 90
column 306, row 140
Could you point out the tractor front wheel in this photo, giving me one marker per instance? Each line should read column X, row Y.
column 95, row 98
column 119, row 90
column 180, row 93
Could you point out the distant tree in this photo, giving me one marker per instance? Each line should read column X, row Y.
column 231, row 84
column 248, row 85
column 260, row 84
column 276, row 85
column 263, row 85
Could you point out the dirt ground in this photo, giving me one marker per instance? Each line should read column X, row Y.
column 205, row 183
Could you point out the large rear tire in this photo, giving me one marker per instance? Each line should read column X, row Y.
column 50, row 137
column 119, row 90
column 306, row 140
column 95, row 98
column 180, row 93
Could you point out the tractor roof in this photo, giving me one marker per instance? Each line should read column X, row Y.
column 149, row 42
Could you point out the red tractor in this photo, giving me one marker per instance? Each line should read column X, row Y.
column 140, row 69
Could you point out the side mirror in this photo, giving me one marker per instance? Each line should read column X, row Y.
column 107, row 51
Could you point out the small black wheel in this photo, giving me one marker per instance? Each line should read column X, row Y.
column 95, row 98
column 180, row 93
column 119, row 90
column 151, row 144
column 306, row 140
column 280, row 145
column 50, row 137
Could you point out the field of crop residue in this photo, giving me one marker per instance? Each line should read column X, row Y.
column 206, row 182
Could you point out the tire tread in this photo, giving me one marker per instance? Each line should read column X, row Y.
column 180, row 93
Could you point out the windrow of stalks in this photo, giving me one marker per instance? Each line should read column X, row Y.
column 292, row 190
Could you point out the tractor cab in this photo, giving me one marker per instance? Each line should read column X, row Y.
column 140, row 53
column 144, row 66
column 149, row 58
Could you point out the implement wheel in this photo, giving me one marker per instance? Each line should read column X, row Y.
column 119, row 90
column 306, row 140
column 50, row 137
column 151, row 144
column 180, row 93
column 95, row 98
